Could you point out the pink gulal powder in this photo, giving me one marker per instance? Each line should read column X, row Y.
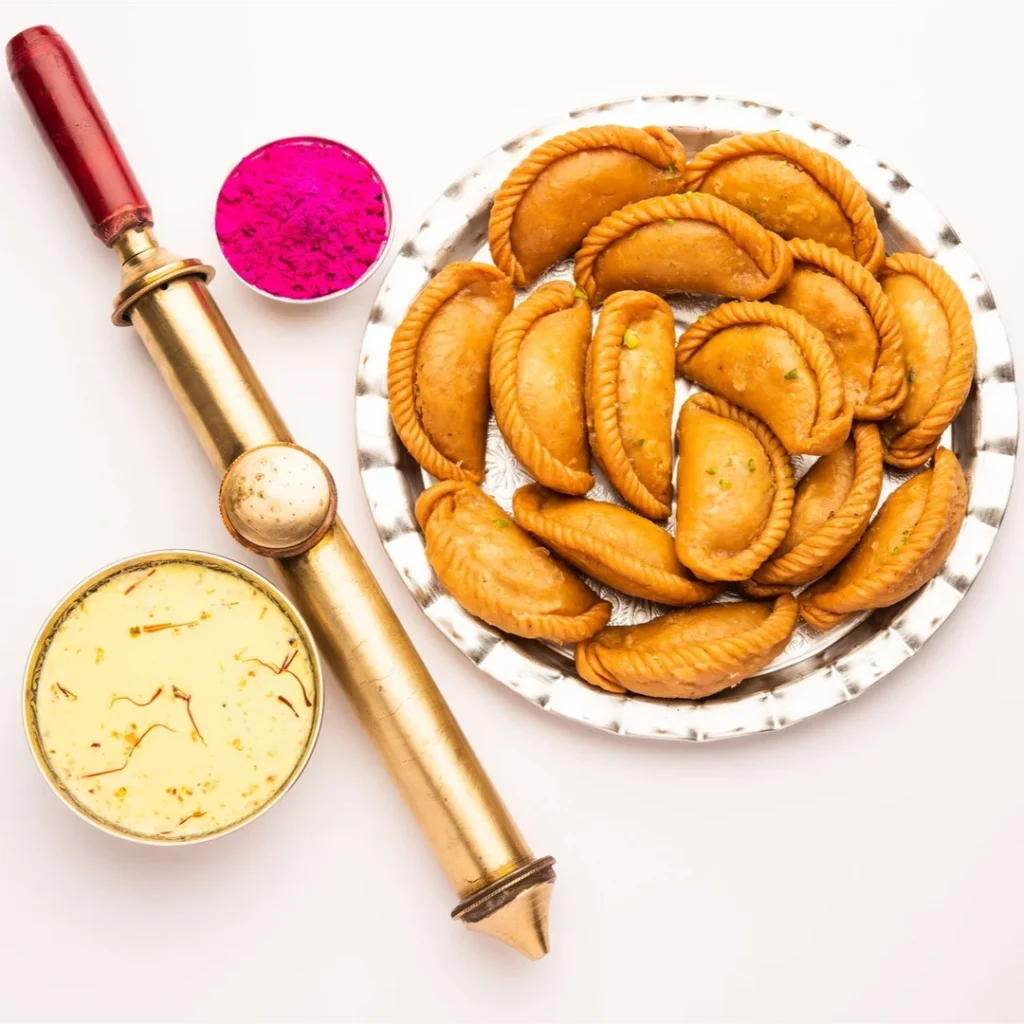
column 302, row 218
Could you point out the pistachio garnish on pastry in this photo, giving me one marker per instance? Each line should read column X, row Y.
column 734, row 495
column 691, row 653
column 538, row 367
column 792, row 189
column 772, row 362
column 682, row 243
column 630, row 390
column 839, row 297
column 498, row 572
column 552, row 199
column 610, row 544
column 903, row 548
column 939, row 349
column 439, row 369
column 833, row 506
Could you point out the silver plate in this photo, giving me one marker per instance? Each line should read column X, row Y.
column 816, row 671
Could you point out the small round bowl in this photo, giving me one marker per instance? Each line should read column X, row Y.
column 385, row 199
column 153, row 560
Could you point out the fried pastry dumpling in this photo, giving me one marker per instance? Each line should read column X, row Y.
column 770, row 361
column 498, row 572
column 691, row 653
column 793, row 189
column 682, row 243
column 538, row 367
column 833, row 506
column 734, row 492
column 903, row 548
column 610, row 544
column 939, row 349
column 562, row 189
column 438, row 369
column 839, row 297
column 630, row 388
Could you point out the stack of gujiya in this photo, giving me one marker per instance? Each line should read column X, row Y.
column 824, row 347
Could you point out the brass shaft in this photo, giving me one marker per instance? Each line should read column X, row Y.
column 403, row 711
column 197, row 354
column 458, row 809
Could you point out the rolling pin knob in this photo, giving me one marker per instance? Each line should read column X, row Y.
column 278, row 500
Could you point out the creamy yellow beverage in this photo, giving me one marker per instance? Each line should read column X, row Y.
column 174, row 699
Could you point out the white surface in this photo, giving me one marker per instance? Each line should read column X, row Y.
column 861, row 866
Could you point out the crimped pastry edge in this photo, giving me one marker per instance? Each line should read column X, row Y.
column 822, row 608
column 743, row 564
column 524, row 443
column 915, row 447
column 604, row 359
column 451, row 280
column 682, row 667
column 888, row 390
column 557, row 628
column 768, row 251
column 829, row 173
column 834, row 415
column 648, row 143
column 661, row 585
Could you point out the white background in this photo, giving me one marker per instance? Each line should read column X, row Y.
column 864, row 865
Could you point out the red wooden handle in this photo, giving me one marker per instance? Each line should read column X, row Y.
column 62, row 104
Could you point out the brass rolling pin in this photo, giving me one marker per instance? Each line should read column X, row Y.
column 280, row 500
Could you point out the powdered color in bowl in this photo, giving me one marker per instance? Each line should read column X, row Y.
column 303, row 219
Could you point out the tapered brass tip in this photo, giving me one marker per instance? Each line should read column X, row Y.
column 522, row 923
column 514, row 909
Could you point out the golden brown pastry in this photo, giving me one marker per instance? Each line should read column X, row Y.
column 630, row 388
column 734, row 491
column 903, row 548
column 682, row 243
column 610, row 544
column 939, row 349
column 537, row 373
column 833, row 505
column 498, row 572
column 562, row 189
column 792, row 189
column 839, row 297
column 691, row 653
column 770, row 361
column 438, row 369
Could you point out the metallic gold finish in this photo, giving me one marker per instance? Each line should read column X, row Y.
column 522, row 923
column 133, row 242
column 146, row 561
column 399, row 705
column 202, row 362
column 147, row 266
column 278, row 500
column 403, row 711
column 514, row 909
